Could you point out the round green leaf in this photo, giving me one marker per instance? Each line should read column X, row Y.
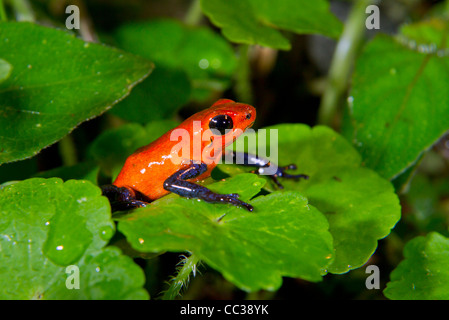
column 47, row 225
column 58, row 81
column 423, row 274
column 258, row 21
column 360, row 205
column 283, row 236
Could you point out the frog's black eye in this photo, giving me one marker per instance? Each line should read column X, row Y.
column 221, row 123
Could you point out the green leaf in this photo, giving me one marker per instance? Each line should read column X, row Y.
column 423, row 274
column 158, row 97
column 46, row 225
column 111, row 148
column 58, row 81
column 283, row 236
column 423, row 210
column 427, row 32
column 190, row 63
column 258, row 21
column 399, row 100
column 5, row 70
column 361, row 206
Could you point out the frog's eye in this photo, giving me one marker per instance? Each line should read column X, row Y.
column 221, row 123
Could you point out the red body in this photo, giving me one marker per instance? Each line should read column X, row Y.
column 147, row 168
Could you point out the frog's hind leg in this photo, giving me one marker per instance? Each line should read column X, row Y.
column 177, row 183
column 122, row 198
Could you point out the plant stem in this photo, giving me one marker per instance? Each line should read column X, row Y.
column 189, row 265
column 67, row 151
column 3, row 17
column 243, row 86
column 342, row 63
column 193, row 16
column 23, row 10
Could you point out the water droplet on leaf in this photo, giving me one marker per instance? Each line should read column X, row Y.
column 106, row 233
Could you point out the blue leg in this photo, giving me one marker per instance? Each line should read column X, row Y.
column 262, row 163
column 177, row 183
column 122, row 198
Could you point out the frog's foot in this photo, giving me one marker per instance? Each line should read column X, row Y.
column 280, row 172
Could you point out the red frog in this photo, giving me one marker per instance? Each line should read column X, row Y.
column 156, row 169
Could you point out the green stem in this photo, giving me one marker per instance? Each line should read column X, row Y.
column 243, row 87
column 23, row 10
column 342, row 63
column 3, row 17
column 193, row 16
column 189, row 265
column 67, row 151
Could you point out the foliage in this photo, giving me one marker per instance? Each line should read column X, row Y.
column 377, row 165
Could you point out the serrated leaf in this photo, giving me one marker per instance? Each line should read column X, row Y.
column 258, row 21
column 399, row 103
column 46, row 225
column 284, row 236
column 58, row 81
column 423, row 274
column 360, row 205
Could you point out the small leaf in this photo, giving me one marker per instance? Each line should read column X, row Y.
column 58, row 81
column 423, row 274
column 46, row 225
column 398, row 110
column 258, row 21
column 284, row 236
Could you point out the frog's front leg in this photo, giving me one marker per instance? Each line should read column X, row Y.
column 122, row 198
column 177, row 183
column 262, row 164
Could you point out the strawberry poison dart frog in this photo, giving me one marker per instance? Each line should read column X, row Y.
column 157, row 169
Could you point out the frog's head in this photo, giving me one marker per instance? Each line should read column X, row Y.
column 223, row 123
column 210, row 131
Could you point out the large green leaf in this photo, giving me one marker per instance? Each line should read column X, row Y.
column 47, row 225
column 399, row 100
column 423, row 274
column 258, row 21
column 360, row 205
column 57, row 82
column 190, row 63
column 283, row 236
